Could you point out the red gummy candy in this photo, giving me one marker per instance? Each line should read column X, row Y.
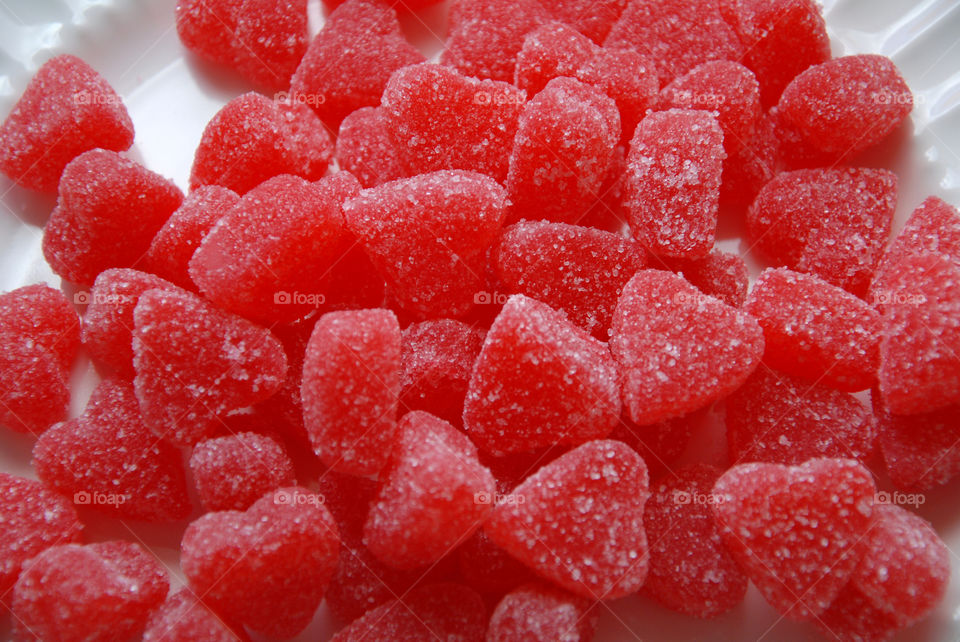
column 271, row 38
column 578, row 270
column 846, row 105
column 208, row 28
column 661, row 444
column 592, row 18
column 34, row 519
column 195, row 363
column 542, row 612
column 102, row 591
column 413, row 232
column 365, row 150
column 578, row 521
column 107, row 459
column 718, row 274
column 233, row 472
column 815, row 330
column 66, row 110
column 539, row 381
column 266, row 568
column 34, row 390
column 672, row 188
column 184, row 618
column 691, row 570
column 44, row 316
column 747, row 169
column 173, row 246
column 833, row 223
column 565, row 139
column 439, row 119
column 488, row 568
column 678, row 349
column 779, row 419
column 351, row 382
column 796, row 531
column 108, row 211
column 433, row 495
column 350, row 61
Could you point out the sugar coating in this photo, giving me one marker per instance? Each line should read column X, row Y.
column 173, row 246
column 565, row 138
column 440, row 119
column 438, row 358
column 351, row 383
column 413, row 232
column 271, row 38
column 34, row 518
column 108, row 459
column 920, row 344
column 208, row 28
column 195, row 363
column 45, row 316
column 183, row 618
column 796, row 531
column 848, row 104
column 309, row 141
column 267, row 567
column 678, row 349
column 780, row 419
column 234, row 471
column 349, row 62
column 277, row 244
column 747, row 169
column 608, row 213
column 444, row 610
column 108, row 211
column 102, row 591
column 672, row 185
column 691, row 570
column 108, row 320
column 580, row 271
column 431, row 497
column 539, row 380
column 661, row 444
column 718, row 274
column 488, row 568
column 34, row 389
column 66, row 109
column 674, row 34
column 592, row 18
column 815, row 330
column 365, row 150
column 402, row 6
column 901, row 577
column 539, row 611
column 833, row 223
column 580, row 523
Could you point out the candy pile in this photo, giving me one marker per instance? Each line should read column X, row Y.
column 427, row 341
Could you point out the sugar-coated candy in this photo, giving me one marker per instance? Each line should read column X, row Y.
column 445, row 610
column 413, row 232
column 102, row 591
column 592, row 18
column 194, row 363
column 350, row 388
column 266, row 567
column 718, row 274
column 539, row 381
column 173, row 246
column 846, row 105
column 365, row 150
column 902, row 576
column 672, row 185
column 66, row 110
column 538, row 611
column 108, row 211
column 565, row 138
column 796, row 531
column 438, row 358
column 578, row 521
column 268, row 257
column 350, row 61
column 678, row 349
column 608, row 212
column 780, row 419
column 833, row 223
column 434, row 494
column 691, row 570
column 815, row 330
column 234, row 471
column 580, row 271
column 675, row 34
column 43, row 315
column 440, row 119
column 920, row 344
column 34, row 518
column 208, row 28
column 487, row 568
column 108, row 460
column 34, row 390
column 661, row 444
column 185, row 618
column 271, row 38
column 747, row 169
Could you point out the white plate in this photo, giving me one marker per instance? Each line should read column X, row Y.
column 133, row 44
